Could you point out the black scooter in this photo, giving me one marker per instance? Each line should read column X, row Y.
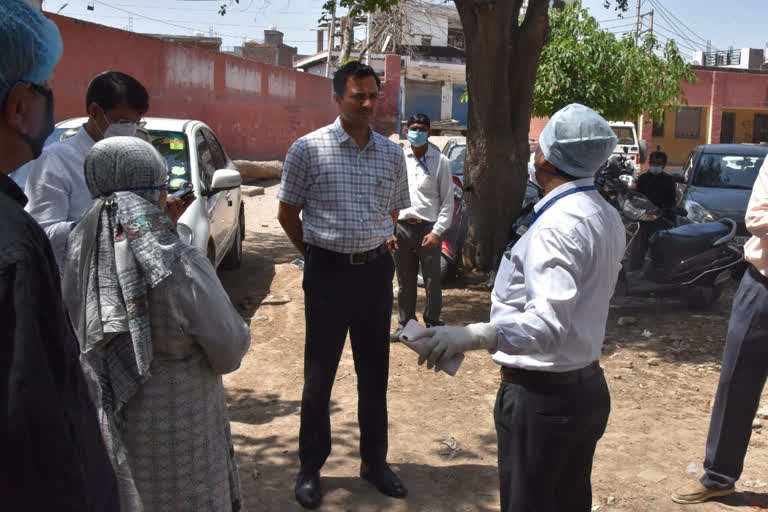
column 695, row 261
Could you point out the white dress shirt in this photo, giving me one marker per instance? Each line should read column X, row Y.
column 431, row 189
column 58, row 195
column 552, row 292
column 756, row 248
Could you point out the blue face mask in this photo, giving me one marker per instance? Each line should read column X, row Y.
column 417, row 138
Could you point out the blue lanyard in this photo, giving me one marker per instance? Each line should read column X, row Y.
column 423, row 162
column 557, row 198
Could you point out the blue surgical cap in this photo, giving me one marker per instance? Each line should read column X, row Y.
column 31, row 45
column 577, row 140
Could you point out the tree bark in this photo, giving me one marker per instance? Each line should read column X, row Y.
column 348, row 37
column 501, row 58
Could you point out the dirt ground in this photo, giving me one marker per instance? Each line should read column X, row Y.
column 661, row 384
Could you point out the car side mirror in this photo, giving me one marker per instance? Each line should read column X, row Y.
column 225, row 179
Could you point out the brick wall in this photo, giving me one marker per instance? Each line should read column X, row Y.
column 256, row 109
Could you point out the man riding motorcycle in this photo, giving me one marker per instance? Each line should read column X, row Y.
column 661, row 189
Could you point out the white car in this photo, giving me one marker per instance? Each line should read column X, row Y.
column 215, row 221
column 628, row 145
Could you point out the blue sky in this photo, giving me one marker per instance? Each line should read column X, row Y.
column 691, row 22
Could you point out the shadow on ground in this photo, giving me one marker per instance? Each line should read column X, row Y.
column 250, row 284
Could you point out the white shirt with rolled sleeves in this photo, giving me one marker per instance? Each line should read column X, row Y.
column 430, row 189
column 552, row 292
column 346, row 193
column 58, row 195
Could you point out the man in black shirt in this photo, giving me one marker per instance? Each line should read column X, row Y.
column 661, row 189
column 52, row 453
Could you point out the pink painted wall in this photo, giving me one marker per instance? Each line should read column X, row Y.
column 256, row 109
column 716, row 89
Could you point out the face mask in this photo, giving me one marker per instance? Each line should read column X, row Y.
column 37, row 142
column 417, row 138
column 655, row 169
column 121, row 129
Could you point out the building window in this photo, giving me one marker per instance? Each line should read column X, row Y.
column 426, row 41
column 688, row 123
column 658, row 129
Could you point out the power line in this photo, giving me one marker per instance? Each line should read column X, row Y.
column 678, row 34
column 673, row 36
column 677, row 21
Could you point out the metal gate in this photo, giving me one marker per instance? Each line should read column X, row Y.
column 460, row 110
column 727, row 127
column 422, row 98
column 761, row 128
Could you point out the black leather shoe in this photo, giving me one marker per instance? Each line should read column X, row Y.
column 308, row 489
column 385, row 480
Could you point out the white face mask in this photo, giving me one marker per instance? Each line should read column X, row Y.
column 655, row 169
column 120, row 129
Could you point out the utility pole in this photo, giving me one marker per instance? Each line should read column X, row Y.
column 637, row 22
column 368, row 41
column 331, row 39
column 650, row 22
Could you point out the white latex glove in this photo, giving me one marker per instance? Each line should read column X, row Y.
column 445, row 342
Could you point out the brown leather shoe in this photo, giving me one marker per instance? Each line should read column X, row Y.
column 694, row 492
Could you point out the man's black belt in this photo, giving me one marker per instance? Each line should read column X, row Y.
column 539, row 378
column 357, row 258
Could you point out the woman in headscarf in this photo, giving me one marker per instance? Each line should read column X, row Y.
column 157, row 331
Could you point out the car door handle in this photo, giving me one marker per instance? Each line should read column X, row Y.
column 229, row 198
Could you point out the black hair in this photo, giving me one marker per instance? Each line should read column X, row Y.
column 418, row 119
column 112, row 88
column 353, row 68
column 658, row 155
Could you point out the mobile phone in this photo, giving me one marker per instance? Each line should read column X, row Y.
column 185, row 190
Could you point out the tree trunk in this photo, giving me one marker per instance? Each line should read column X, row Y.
column 502, row 56
column 348, row 37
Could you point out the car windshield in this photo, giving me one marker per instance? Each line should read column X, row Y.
column 624, row 134
column 456, row 156
column 727, row 171
column 174, row 148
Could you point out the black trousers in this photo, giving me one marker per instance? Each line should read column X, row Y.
column 341, row 298
column 407, row 259
column 546, row 441
column 742, row 378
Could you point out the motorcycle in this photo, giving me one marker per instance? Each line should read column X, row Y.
column 694, row 261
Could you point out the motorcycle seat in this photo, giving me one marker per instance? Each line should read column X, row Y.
column 687, row 240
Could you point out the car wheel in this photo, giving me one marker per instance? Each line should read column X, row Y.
column 234, row 256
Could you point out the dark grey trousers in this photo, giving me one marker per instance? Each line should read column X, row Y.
column 407, row 258
column 742, row 378
column 547, row 438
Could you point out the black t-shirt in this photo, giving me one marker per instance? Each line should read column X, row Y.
column 659, row 188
